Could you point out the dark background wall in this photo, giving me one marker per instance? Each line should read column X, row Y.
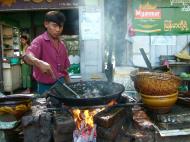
column 33, row 21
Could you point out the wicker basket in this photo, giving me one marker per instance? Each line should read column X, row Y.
column 152, row 83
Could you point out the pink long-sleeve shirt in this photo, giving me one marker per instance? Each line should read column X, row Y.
column 43, row 49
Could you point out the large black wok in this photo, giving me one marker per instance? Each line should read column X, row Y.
column 91, row 93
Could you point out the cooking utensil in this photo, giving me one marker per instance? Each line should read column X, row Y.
column 65, row 86
column 68, row 88
column 15, row 105
column 107, row 91
column 148, row 64
column 15, row 99
column 146, row 59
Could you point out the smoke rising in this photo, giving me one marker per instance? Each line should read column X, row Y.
column 115, row 30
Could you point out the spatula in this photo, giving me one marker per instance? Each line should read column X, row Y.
column 68, row 88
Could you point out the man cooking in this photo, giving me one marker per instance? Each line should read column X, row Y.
column 48, row 54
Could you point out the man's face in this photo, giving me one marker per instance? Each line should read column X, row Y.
column 53, row 29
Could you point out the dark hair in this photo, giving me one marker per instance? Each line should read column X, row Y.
column 55, row 16
column 26, row 38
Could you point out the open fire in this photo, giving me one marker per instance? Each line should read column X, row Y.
column 85, row 128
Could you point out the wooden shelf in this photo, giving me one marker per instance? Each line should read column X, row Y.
column 8, row 49
column 7, row 36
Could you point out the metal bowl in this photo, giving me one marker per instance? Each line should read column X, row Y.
column 16, row 104
column 159, row 104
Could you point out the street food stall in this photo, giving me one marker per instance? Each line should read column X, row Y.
column 78, row 35
column 118, row 92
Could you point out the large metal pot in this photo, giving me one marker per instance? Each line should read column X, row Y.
column 91, row 93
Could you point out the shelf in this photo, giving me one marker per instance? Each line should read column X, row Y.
column 185, row 78
column 10, row 41
column 179, row 64
column 7, row 36
column 8, row 49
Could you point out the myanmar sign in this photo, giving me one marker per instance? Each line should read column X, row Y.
column 164, row 17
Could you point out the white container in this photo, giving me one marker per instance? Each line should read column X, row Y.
column 11, row 77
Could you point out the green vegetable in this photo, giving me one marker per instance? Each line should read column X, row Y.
column 184, row 75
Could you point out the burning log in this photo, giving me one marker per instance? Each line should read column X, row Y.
column 86, row 134
column 85, row 118
column 91, row 138
column 86, row 129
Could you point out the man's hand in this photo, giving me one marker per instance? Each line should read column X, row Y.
column 67, row 79
column 45, row 68
column 42, row 65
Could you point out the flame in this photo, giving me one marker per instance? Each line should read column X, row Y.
column 77, row 117
column 84, row 118
column 111, row 103
column 89, row 117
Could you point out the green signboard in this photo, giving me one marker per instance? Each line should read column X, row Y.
column 161, row 17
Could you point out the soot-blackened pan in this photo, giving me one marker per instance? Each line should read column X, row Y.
column 91, row 93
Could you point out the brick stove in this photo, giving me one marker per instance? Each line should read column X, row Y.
column 48, row 125
column 108, row 124
column 113, row 124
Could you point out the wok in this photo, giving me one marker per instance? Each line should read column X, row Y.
column 91, row 93
column 14, row 106
column 15, row 99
